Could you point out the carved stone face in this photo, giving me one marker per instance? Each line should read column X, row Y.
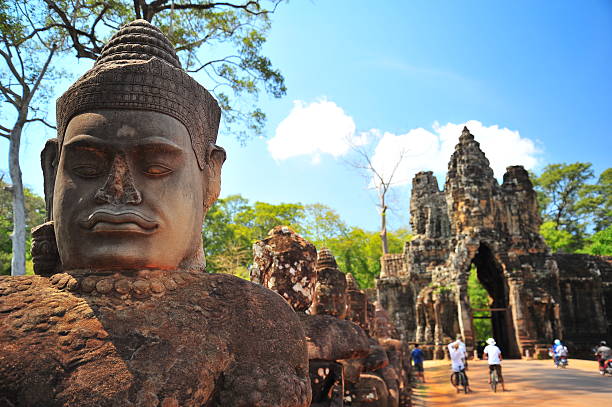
column 128, row 193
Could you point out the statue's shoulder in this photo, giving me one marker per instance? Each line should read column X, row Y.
column 249, row 298
column 270, row 365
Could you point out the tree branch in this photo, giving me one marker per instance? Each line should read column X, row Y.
column 43, row 121
column 42, row 72
column 10, row 96
column 82, row 51
column 9, row 62
column 208, row 6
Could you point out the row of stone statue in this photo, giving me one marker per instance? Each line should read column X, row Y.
column 121, row 311
column 355, row 356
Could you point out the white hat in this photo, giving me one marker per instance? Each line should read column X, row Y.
column 491, row 341
column 557, row 342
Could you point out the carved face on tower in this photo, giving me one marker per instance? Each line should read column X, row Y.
column 135, row 168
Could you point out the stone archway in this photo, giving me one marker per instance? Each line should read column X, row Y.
column 491, row 276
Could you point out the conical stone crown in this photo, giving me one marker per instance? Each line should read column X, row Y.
column 138, row 69
column 138, row 41
column 326, row 259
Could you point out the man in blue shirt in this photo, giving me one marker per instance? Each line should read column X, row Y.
column 417, row 360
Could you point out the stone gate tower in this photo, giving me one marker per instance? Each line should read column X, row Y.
column 476, row 221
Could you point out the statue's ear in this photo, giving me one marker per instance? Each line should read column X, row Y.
column 48, row 161
column 215, row 158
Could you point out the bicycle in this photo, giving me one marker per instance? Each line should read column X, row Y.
column 458, row 379
column 494, row 380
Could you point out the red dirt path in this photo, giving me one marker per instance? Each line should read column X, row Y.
column 529, row 382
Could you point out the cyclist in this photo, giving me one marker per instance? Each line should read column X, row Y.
column 493, row 355
column 417, row 359
column 461, row 348
column 458, row 366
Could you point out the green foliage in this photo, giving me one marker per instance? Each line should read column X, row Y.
column 558, row 239
column 479, row 298
column 596, row 201
column 358, row 252
column 600, row 243
column 570, row 206
column 233, row 225
column 35, row 215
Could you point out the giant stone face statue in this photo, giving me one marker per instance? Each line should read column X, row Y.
column 122, row 312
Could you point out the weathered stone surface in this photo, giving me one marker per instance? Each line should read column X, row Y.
column 285, row 262
column 122, row 312
column 64, row 346
column 330, row 297
column 330, row 338
column 44, row 250
column 327, row 383
column 358, row 303
column 476, row 221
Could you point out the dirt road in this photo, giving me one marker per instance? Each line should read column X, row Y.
column 529, row 383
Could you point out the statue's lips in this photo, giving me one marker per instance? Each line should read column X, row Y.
column 106, row 221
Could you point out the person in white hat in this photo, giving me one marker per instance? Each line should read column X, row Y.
column 493, row 355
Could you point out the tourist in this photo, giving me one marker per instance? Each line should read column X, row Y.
column 417, row 360
column 603, row 353
column 457, row 357
column 558, row 352
column 462, row 348
column 493, row 355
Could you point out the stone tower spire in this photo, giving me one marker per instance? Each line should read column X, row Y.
column 470, row 185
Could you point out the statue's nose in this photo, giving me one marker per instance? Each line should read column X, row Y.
column 119, row 188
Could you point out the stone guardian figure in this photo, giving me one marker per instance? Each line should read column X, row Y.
column 122, row 312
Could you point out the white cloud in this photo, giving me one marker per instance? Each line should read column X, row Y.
column 322, row 127
column 426, row 150
column 313, row 129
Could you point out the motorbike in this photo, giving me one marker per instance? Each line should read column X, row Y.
column 606, row 369
column 561, row 362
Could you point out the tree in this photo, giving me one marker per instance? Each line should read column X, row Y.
column 26, row 51
column 558, row 239
column 570, row 206
column 233, row 225
column 560, row 189
column 596, row 201
column 599, row 243
column 34, row 215
column 379, row 178
column 479, row 299
column 221, row 39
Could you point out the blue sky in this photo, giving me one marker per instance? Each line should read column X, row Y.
column 534, row 79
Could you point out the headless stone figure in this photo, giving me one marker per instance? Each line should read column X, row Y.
column 122, row 312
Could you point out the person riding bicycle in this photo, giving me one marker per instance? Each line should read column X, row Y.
column 493, row 355
column 462, row 348
column 603, row 353
column 458, row 365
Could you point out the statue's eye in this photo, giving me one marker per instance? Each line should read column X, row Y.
column 87, row 171
column 157, row 170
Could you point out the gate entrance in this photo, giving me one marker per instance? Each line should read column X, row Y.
column 490, row 275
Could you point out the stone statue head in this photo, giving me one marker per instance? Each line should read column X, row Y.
column 134, row 167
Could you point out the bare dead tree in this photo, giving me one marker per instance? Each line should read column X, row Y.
column 377, row 179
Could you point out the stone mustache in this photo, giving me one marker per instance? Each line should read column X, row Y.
column 122, row 312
